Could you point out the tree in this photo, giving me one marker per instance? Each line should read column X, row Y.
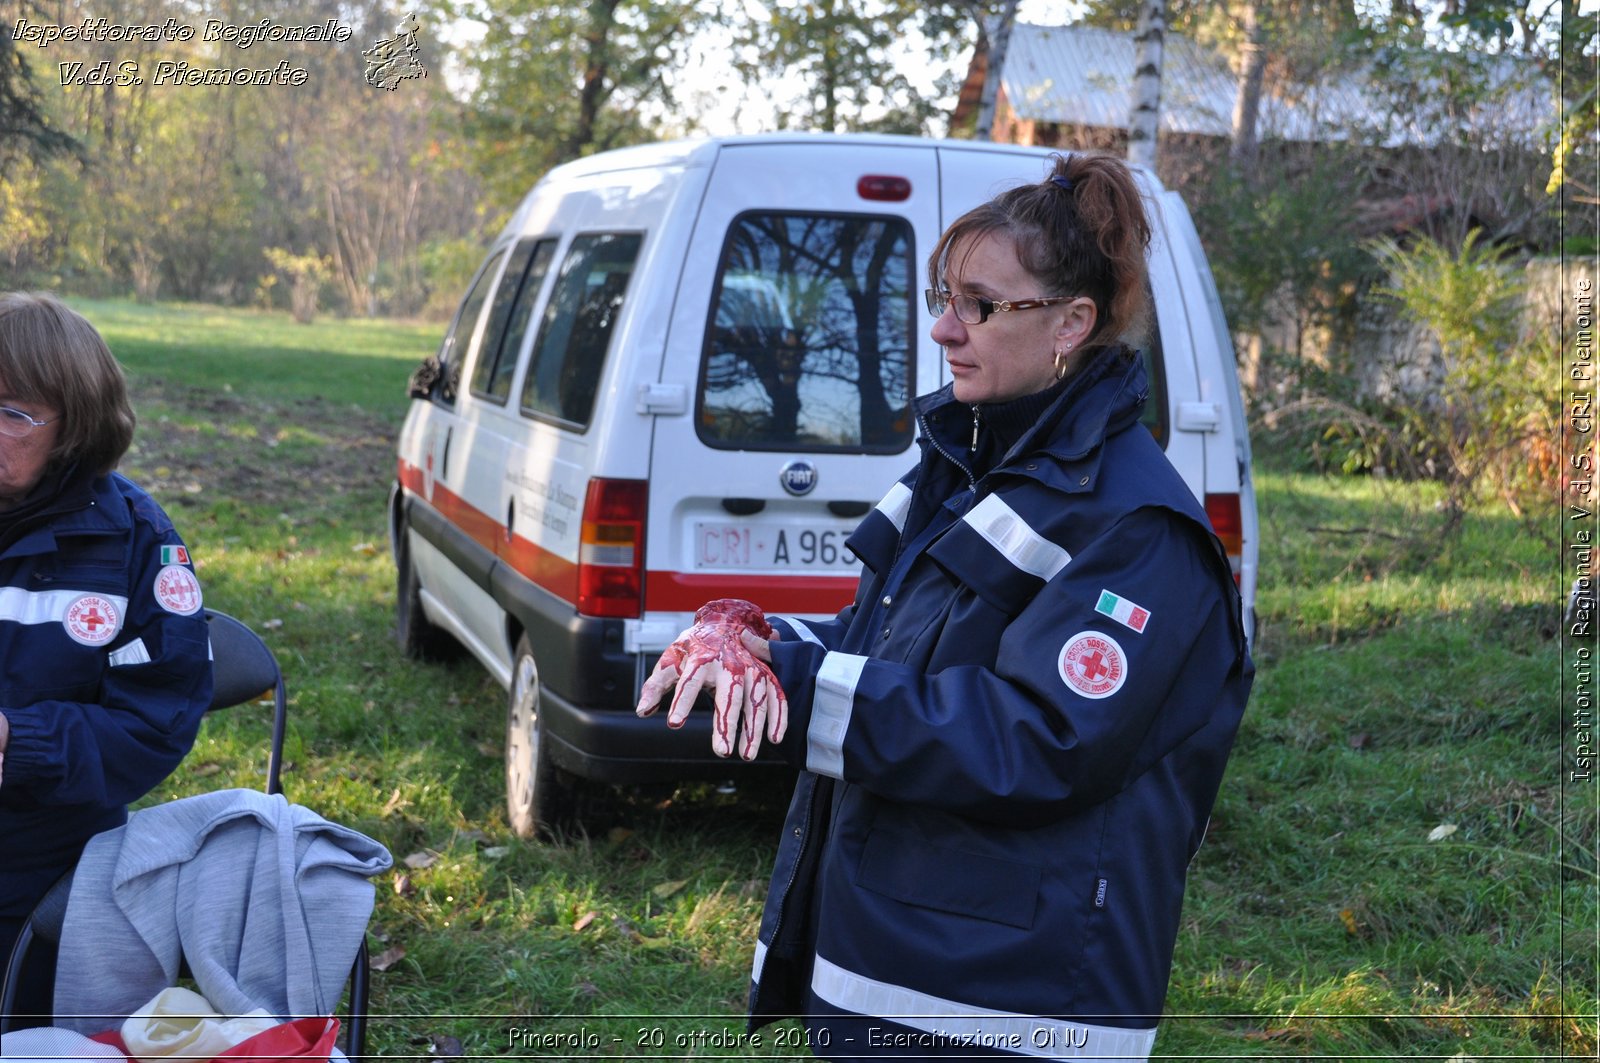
column 558, row 80
column 1144, row 124
column 994, row 39
column 26, row 131
column 843, row 51
column 1252, row 70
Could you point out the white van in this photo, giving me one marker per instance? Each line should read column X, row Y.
column 684, row 372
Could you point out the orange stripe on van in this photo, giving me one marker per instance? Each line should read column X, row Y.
column 664, row 591
column 482, row 528
column 551, row 571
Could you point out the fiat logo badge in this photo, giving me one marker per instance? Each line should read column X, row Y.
column 798, row 477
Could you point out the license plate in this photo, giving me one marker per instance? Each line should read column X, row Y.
column 783, row 547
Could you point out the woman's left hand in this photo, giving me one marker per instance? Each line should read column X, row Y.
column 726, row 650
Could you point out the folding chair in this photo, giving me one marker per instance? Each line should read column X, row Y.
column 243, row 668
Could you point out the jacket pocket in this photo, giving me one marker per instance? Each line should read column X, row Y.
column 949, row 880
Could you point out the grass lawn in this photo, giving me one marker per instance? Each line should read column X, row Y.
column 1394, row 869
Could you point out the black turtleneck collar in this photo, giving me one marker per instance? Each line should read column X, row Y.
column 1001, row 425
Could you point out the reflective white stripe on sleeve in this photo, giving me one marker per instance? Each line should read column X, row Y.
column 47, row 607
column 830, row 712
column 761, row 958
column 1019, row 544
column 1026, row 1035
column 801, row 630
column 895, row 505
column 133, row 653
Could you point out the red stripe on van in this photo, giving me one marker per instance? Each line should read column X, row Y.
column 683, row 592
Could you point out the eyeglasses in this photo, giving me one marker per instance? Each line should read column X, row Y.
column 975, row 311
column 16, row 424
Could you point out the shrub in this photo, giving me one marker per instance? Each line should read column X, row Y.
column 307, row 274
column 1487, row 422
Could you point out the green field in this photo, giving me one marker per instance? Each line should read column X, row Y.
column 1394, row 869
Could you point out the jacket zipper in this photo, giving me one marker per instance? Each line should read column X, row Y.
column 933, row 441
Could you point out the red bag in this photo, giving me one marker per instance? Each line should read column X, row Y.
column 304, row 1039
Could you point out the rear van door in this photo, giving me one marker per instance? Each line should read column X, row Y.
column 795, row 348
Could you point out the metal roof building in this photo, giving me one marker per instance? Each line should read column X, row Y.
column 1083, row 76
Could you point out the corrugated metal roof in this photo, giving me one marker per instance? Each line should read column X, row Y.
column 1083, row 75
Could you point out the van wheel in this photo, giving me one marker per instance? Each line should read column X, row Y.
column 540, row 797
column 419, row 638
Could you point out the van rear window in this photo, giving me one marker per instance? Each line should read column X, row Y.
column 808, row 339
column 564, row 371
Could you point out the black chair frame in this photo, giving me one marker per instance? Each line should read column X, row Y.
column 243, row 668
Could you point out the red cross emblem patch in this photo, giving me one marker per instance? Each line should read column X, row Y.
column 92, row 620
column 177, row 590
column 1093, row 664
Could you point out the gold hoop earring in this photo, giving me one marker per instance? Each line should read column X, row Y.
column 1061, row 362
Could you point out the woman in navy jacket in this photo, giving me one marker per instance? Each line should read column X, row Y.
column 105, row 667
column 1011, row 741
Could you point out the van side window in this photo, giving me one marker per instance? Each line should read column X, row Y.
column 1154, row 416
column 508, row 319
column 456, row 350
column 564, row 370
column 808, row 341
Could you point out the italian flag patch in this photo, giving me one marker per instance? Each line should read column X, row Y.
column 1123, row 611
column 174, row 555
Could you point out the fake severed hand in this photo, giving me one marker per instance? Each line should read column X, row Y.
column 726, row 650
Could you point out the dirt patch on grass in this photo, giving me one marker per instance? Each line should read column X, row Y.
column 194, row 443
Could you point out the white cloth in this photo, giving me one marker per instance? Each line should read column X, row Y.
column 179, row 1022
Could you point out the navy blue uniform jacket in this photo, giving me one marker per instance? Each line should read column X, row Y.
column 105, row 673
column 1010, row 743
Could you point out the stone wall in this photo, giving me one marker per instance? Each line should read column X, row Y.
column 1387, row 353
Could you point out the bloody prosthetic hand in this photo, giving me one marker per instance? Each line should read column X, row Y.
column 725, row 650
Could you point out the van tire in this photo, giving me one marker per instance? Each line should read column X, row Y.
column 418, row 637
column 540, row 798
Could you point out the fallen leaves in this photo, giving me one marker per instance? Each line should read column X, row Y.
column 386, row 959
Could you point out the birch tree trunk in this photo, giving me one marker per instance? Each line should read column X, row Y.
column 1247, row 103
column 997, row 31
column 1145, row 121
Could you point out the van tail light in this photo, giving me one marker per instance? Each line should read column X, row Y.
column 611, row 549
column 1223, row 510
column 884, row 188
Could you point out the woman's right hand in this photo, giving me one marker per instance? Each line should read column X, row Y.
column 725, row 649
